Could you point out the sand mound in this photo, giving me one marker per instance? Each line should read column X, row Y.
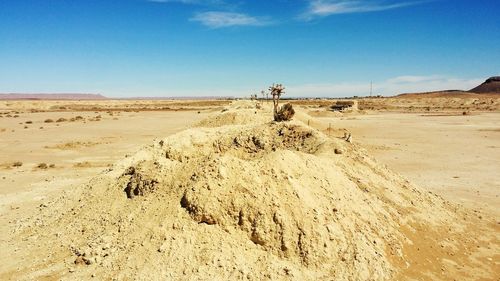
column 255, row 201
column 325, row 113
column 239, row 113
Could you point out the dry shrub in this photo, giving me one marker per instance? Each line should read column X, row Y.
column 48, row 121
column 29, row 122
column 77, row 118
column 84, row 164
column 285, row 113
column 17, row 164
column 42, row 166
column 61, row 120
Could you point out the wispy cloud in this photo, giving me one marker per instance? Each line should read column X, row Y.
column 392, row 86
column 322, row 8
column 228, row 19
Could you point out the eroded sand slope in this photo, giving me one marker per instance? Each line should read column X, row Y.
column 240, row 197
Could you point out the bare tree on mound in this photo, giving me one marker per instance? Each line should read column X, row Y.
column 284, row 113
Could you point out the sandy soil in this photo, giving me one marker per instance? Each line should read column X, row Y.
column 455, row 156
column 79, row 150
column 409, row 234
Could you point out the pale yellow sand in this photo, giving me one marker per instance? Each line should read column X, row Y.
column 236, row 197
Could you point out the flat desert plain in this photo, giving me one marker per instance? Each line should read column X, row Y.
column 55, row 153
column 456, row 156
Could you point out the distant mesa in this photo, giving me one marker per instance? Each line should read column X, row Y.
column 490, row 86
column 62, row 96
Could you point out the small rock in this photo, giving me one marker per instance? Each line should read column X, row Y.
column 79, row 260
column 88, row 261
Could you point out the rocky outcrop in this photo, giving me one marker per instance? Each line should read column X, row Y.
column 490, row 86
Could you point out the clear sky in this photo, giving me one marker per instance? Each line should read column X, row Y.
column 218, row 47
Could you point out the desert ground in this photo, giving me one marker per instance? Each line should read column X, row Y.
column 425, row 172
column 456, row 156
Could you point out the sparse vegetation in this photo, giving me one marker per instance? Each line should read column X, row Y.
column 84, row 164
column 286, row 112
column 212, row 175
column 48, row 121
column 77, row 118
column 17, row 164
column 61, row 120
column 29, row 122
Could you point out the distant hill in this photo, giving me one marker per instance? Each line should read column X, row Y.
column 490, row 86
column 445, row 93
column 64, row 96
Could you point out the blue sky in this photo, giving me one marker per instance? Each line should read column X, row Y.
column 127, row 48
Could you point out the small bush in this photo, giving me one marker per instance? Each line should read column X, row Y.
column 42, row 166
column 29, row 122
column 285, row 113
column 61, row 120
column 17, row 164
column 84, row 164
column 48, row 121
